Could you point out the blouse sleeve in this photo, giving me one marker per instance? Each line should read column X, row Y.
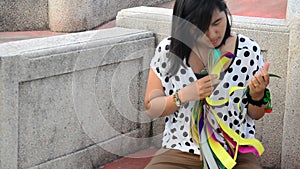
column 159, row 61
column 252, row 54
column 261, row 61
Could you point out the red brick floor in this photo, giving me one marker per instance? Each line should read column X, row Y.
column 136, row 161
column 252, row 8
column 258, row 8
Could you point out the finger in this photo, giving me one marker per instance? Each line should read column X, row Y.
column 215, row 82
column 255, row 85
column 255, row 80
column 205, row 82
column 258, row 79
column 206, row 89
column 264, row 71
column 205, row 93
column 213, row 76
column 209, row 92
column 207, row 85
column 267, row 66
column 262, row 79
column 265, row 78
column 205, row 79
column 251, row 86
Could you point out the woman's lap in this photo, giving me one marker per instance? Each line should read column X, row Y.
column 176, row 159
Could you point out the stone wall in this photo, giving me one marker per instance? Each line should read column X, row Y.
column 62, row 16
column 73, row 101
column 23, row 15
column 291, row 134
column 279, row 40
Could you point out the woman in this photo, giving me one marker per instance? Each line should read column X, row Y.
column 178, row 77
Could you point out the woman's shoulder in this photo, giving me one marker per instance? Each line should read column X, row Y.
column 159, row 61
column 164, row 45
column 162, row 49
column 245, row 42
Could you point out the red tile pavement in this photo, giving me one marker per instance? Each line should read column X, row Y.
column 252, row 8
column 137, row 160
column 109, row 24
column 15, row 36
column 258, row 8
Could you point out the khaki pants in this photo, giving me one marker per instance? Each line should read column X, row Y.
column 175, row 159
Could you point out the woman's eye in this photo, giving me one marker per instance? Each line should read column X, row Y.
column 217, row 22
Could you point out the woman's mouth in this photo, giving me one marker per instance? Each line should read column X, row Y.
column 214, row 42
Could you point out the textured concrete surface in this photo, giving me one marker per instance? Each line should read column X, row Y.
column 291, row 134
column 62, row 105
column 274, row 37
column 62, row 16
column 146, row 18
column 73, row 16
column 23, row 15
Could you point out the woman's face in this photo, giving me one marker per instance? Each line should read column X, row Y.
column 217, row 27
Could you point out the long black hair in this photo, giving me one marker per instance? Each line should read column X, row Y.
column 189, row 15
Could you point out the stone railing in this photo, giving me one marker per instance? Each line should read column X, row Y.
column 279, row 39
column 73, row 101
column 62, row 16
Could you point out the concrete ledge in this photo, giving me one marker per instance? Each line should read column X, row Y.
column 146, row 18
column 61, row 102
column 73, row 16
column 62, row 16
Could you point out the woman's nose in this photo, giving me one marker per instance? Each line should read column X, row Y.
column 211, row 33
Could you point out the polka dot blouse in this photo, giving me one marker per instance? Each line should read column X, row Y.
column 177, row 125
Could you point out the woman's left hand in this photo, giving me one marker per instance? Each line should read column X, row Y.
column 259, row 83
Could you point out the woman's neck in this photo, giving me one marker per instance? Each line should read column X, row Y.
column 229, row 45
column 195, row 62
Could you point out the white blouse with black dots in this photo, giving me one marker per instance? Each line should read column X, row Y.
column 177, row 125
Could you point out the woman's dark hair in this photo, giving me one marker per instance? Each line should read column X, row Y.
column 189, row 15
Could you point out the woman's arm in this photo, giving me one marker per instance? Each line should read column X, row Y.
column 256, row 112
column 156, row 102
column 257, row 86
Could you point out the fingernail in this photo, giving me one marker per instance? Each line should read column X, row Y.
column 214, row 76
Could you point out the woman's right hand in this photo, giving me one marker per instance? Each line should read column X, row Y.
column 199, row 89
column 157, row 104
